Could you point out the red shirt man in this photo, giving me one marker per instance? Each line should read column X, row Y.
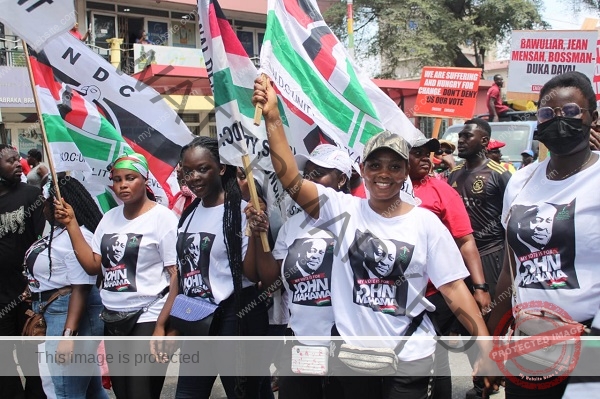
column 494, row 100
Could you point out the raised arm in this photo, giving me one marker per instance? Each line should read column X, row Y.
column 90, row 261
column 302, row 191
column 267, row 268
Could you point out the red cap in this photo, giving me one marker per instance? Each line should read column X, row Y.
column 495, row 144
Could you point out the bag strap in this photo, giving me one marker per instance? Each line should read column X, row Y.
column 60, row 292
column 412, row 327
column 159, row 296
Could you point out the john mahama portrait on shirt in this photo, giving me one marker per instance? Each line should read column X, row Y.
column 542, row 237
column 119, row 259
column 193, row 251
column 307, row 269
column 379, row 266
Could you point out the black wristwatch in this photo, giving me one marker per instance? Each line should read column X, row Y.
column 483, row 287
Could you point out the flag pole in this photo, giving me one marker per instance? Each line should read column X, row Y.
column 259, row 107
column 350, row 18
column 41, row 120
column 250, row 176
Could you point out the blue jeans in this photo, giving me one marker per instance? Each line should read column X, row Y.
column 68, row 386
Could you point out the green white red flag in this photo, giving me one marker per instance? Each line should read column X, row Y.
column 313, row 71
column 94, row 113
column 232, row 74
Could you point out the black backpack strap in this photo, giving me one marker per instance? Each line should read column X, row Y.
column 412, row 327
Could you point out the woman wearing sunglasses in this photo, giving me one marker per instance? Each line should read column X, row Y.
column 548, row 212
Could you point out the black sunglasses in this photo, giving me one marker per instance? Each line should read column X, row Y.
column 444, row 151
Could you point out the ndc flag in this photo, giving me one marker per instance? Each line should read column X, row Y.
column 314, row 73
column 94, row 99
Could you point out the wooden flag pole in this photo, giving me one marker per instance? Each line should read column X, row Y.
column 41, row 120
column 254, row 197
column 259, row 107
column 250, row 176
column 437, row 124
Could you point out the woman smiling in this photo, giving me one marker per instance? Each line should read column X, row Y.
column 383, row 306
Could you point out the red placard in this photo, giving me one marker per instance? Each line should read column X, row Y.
column 448, row 92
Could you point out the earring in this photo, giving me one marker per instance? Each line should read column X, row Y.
column 403, row 186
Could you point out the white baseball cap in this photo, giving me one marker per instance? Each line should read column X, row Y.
column 327, row 156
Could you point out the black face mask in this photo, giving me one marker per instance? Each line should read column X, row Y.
column 561, row 135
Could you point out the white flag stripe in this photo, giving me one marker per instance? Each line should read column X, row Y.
column 38, row 21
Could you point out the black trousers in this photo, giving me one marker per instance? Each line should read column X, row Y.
column 131, row 387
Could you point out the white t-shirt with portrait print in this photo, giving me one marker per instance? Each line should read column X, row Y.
column 66, row 270
column 134, row 256
column 381, row 268
column 554, row 235
column 203, row 261
column 307, row 257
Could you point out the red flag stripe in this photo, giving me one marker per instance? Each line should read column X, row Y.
column 219, row 26
column 44, row 77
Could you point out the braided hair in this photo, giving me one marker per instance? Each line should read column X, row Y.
column 232, row 216
column 81, row 201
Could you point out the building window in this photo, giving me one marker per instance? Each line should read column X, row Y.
column 192, row 121
column 426, row 126
column 251, row 39
column 212, row 125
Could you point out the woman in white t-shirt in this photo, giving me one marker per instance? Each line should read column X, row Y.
column 51, row 267
column 134, row 249
column 217, row 264
column 303, row 255
column 368, row 299
column 551, row 214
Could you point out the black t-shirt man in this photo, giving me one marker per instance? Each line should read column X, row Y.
column 482, row 190
column 21, row 223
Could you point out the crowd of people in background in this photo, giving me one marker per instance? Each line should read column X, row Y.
column 382, row 259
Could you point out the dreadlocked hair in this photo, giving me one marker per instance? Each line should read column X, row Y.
column 232, row 217
column 84, row 207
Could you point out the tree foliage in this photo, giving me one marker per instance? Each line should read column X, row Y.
column 416, row 33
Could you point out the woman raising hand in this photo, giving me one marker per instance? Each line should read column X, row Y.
column 396, row 244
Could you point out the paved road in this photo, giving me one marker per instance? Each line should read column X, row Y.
column 459, row 365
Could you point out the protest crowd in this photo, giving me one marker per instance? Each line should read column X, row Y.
column 395, row 240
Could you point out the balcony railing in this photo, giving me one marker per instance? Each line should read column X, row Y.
column 11, row 51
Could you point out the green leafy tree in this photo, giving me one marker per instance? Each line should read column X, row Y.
column 415, row 33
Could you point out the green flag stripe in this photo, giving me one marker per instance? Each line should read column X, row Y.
column 106, row 201
column 332, row 108
column 225, row 91
column 356, row 95
column 89, row 147
column 356, row 129
column 369, row 131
